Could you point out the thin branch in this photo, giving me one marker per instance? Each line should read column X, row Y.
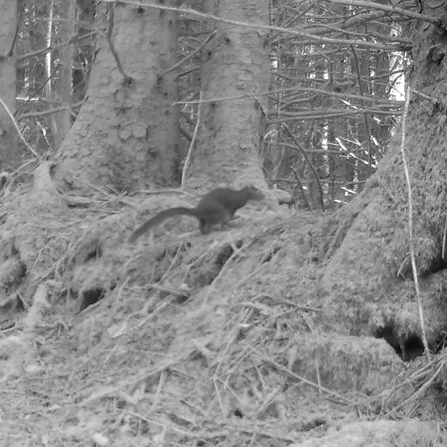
column 300, row 187
column 310, row 37
column 34, row 94
column 16, row 34
column 410, row 225
column 317, row 179
column 50, row 111
column 350, row 108
column 374, row 99
column 73, row 39
column 319, row 115
column 343, row 151
column 365, row 114
column 444, row 240
column 354, row 21
column 337, row 29
column 18, row 129
column 392, row 9
column 190, row 56
column 108, row 35
column 191, row 146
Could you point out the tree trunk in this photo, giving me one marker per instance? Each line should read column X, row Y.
column 62, row 89
column 235, row 77
column 125, row 136
column 9, row 155
column 83, row 57
column 371, row 265
column 36, row 75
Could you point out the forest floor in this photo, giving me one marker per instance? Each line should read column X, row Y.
column 223, row 339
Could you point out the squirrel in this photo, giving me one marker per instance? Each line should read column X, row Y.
column 215, row 208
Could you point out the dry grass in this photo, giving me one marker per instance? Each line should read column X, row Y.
column 197, row 340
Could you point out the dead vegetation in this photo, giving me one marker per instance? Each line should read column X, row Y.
column 184, row 339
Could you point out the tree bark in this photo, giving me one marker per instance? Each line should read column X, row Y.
column 125, row 136
column 62, row 90
column 83, row 57
column 371, row 263
column 235, row 77
column 9, row 154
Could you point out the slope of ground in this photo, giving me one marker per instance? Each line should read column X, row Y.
column 184, row 339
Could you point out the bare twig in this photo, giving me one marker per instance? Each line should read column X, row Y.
column 423, row 95
column 73, row 39
column 14, row 40
column 365, row 114
column 190, row 56
column 298, row 377
column 382, row 185
column 402, row 267
column 51, row 111
column 317, row 179
column 191, row 146
column 311, row 38
column 18, row 130
column 382, row 102
column 444, row 239
column 392, row 9
column 300, row 187
column 169, row 290
column 108, row 35
column 410, row 224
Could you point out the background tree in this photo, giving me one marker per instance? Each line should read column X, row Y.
column 397, row 228
column 335, row 98
column 46, row 72
column 132, row 142
column 63, row 88
column 234, row 81
column 9, row 156
column 336, row 155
